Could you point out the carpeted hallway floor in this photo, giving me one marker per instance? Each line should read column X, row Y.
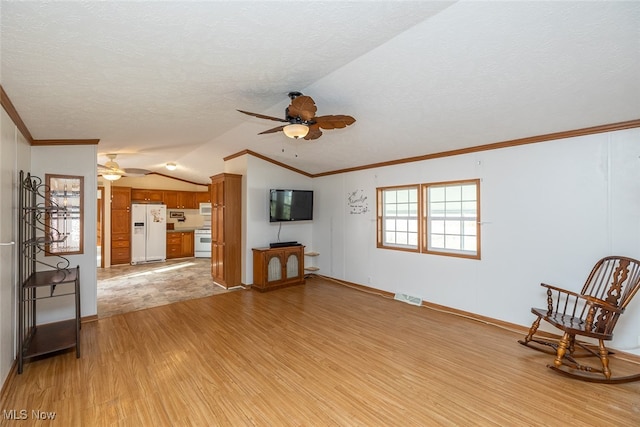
column 126, row 288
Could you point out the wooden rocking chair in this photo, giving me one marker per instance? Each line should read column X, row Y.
column 592, row 313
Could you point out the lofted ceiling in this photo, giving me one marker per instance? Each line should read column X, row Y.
column 160, row 82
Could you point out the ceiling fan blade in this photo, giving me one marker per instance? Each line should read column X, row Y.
column 334, row 122
column 304, row 107
column 314, row 132
column 262, row 116
column 273, row 130
column 104, row 169
column 136, row 171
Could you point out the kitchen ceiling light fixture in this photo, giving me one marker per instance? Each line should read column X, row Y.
column 296, row 131
column 171, row 166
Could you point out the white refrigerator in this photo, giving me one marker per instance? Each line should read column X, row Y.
column 149, row 233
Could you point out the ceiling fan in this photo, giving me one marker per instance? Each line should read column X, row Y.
column 301, row 119
column 111, row 170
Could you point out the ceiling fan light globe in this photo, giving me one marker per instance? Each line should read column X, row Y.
column 111, row 176
column 296, row 131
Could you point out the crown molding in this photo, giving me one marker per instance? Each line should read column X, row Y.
column 40, row 142
column 629, row 124
column 13, row 113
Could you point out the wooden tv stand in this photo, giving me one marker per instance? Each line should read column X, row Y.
column 275, row 268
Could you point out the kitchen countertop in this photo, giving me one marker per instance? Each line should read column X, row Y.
column 182, row 230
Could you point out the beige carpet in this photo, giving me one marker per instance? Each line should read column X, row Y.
column 126, row 288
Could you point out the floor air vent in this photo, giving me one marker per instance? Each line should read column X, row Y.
column 408, row 299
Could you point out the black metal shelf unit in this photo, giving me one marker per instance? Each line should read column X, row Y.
column 42, row 275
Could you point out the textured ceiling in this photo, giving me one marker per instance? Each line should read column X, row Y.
column 161, row 81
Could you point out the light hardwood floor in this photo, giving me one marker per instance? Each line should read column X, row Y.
column 315, row 355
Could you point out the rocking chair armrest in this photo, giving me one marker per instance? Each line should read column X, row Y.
column 564, row 291
column 602, row 303
column 590, row 300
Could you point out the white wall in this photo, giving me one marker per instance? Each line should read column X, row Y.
column 262, row 176
column 79, row 161
column 549, row 211
column 14, row 156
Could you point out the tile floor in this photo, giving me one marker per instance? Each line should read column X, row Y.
column 126, row 288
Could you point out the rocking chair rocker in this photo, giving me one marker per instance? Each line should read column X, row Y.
column 592, row 313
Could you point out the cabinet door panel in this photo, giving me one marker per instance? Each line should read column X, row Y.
column 120, row 198
column 292, row 266
column 155, row 196
column 187, row 244
column 120, row 221
column 170, row 199
column 274, row 269
column 202, row 197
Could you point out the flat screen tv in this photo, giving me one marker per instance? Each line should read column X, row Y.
column 290, row 205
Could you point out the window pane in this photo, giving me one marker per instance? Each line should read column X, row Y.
column 436, row 194
column 469, row 209
column 437, row 209
column 390, row 210
column 454, row 209
column 390, row 237
column 453, row 192
column 389, row 196
column 452, row 242
column 469, row 192
column 413, row 239
column 452, row 227
column 401, row 225
column 470, row 228
column 437, row 241
column 437, row 227
column 470, row 243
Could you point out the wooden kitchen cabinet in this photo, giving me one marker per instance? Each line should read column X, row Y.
column 170, row 198
column 141, row 195
column 226, row 226
column 180, row 244
column 275, row 268
column 120, row 225
column 180, row 199
column 187, row 244
column 187, row 200
column 203, row 197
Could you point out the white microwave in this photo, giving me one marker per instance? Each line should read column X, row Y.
column 205, row 208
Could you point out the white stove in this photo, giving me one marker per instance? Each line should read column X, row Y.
column 202, row 243
column 202, row 239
